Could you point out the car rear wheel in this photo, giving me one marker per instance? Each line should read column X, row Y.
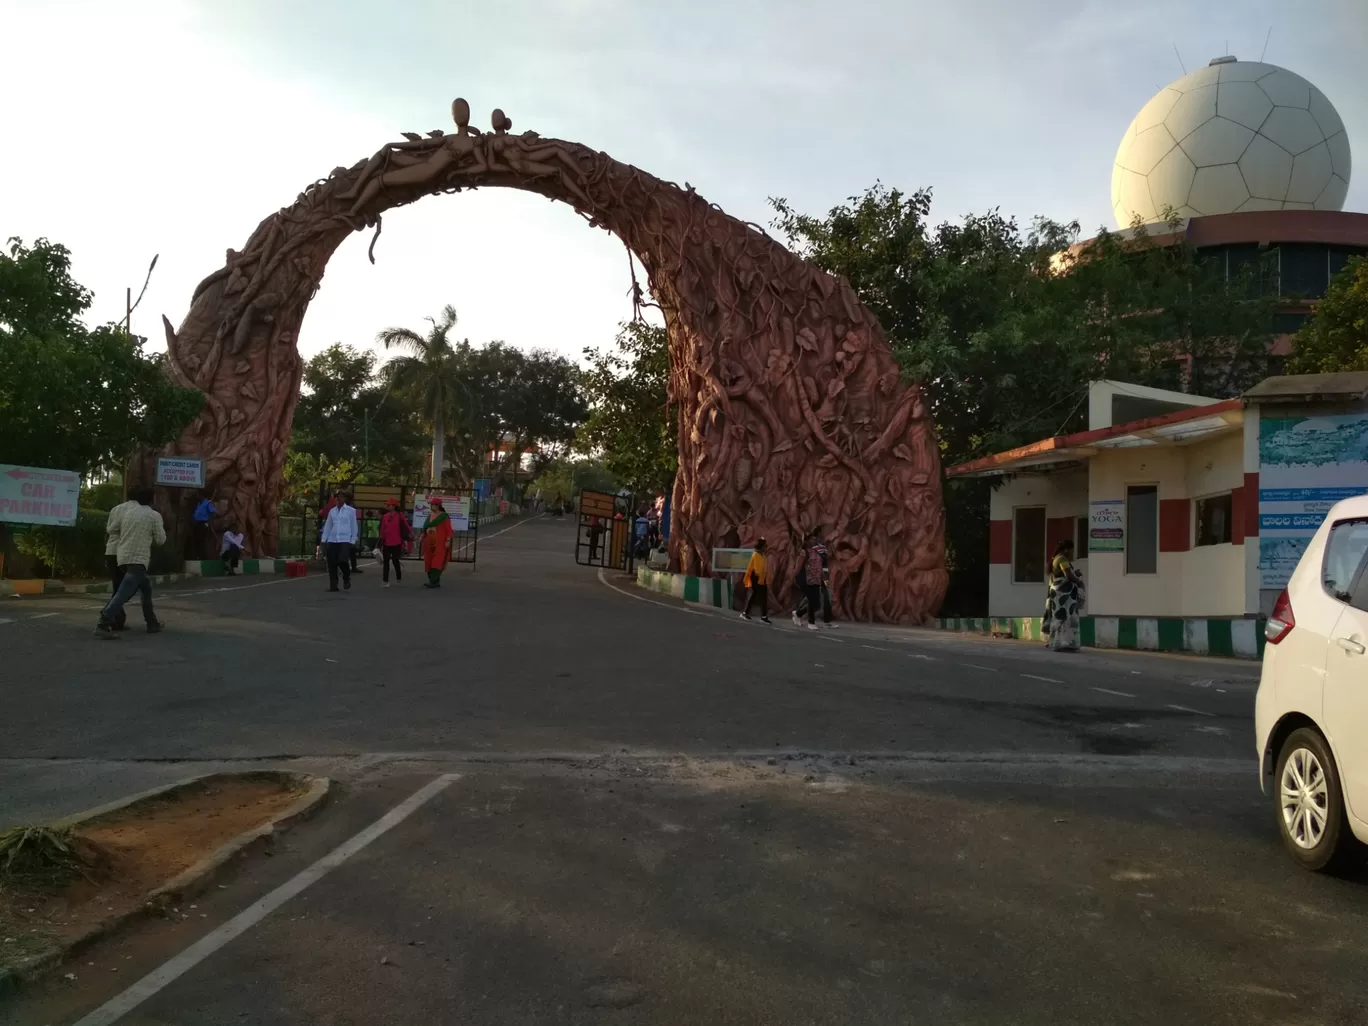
column 1310, row 804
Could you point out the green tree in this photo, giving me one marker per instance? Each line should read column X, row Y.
column 1004, row 328
column 345, row 414
column 72, row 397
column 1336, row 337
column 631, row 425
column 428, row 372
column 533, row 401
column 564, row 478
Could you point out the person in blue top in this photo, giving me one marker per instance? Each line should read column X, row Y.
column 641, row 528
column 201, row 534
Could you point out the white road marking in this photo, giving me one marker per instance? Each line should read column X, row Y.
column 507, row 529
column 1047, row 680
column 35, row 616
column 1187, row 709
column 157, row 980
column 874, row 648
column 215, row 591
column 643, row 598
column 1109, row 691
column 977, row 666
column 916, row 655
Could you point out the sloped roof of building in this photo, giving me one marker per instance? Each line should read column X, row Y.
column 1177, row 428
column 1291, row 388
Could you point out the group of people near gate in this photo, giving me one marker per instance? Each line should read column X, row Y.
column 340, row 535
column 813, row 581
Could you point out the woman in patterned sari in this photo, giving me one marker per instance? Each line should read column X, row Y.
column 436, row 544
column 1063, row 601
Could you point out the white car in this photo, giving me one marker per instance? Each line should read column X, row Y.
column 1311, row 713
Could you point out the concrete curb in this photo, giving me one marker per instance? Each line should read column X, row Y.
column 706, row 591
column 246, row 567
column 44, row 586
column 186, row 884
column 1230, row 638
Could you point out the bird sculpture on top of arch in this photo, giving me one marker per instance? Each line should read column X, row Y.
column 792, row 412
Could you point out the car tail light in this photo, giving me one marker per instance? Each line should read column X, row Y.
column 1280, row 621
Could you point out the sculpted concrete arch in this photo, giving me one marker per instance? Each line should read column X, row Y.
column 790, row 404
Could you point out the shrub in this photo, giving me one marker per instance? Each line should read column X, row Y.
column 76, row 551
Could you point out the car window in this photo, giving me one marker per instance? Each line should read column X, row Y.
column 1344, row 554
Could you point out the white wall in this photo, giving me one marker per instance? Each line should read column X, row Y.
column 1100, row 399
column 1206, row 581
column 1063, row 494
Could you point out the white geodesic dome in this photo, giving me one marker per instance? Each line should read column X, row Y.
column 1235, row 135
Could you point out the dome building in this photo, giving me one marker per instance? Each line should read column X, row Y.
column 1254, row 163
column 1188, row 513
column 1234, row 136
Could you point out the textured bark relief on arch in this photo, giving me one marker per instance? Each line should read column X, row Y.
column 791, row 409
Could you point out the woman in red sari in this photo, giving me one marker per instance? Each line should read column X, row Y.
column 436, row 544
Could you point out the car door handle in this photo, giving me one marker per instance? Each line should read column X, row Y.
column 1351, row 646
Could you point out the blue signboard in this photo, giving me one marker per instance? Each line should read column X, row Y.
column 481, row 489
column 1306, row 465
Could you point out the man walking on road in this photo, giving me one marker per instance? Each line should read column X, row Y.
column 116, row 575
column 135, row 532
column 824, row 589
column 339, row 535
column 809, row 579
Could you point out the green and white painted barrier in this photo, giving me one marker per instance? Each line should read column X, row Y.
column 248, row 567
column 1232, row 638
column 706, row 591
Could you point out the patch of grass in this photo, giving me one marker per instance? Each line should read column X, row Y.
column 43, row 856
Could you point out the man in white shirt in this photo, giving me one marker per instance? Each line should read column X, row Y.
column 116, row 575
column 136, row 530
column 231, row 550
column 339, row 535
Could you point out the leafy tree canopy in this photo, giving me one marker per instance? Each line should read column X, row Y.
column 516, row 402
column 631, row 425
column 1005, row 327
column 72, row 397
column 564, row 478
column 345, row 415
column 1336, row 337
column 483, row 408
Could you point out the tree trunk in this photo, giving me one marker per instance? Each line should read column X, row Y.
column 438, row 456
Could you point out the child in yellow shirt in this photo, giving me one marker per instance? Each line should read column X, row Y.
column 756, row 580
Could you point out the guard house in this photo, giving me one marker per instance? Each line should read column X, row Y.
column 1178, row 505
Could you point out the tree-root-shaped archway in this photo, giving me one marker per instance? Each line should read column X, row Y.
column 791, row 409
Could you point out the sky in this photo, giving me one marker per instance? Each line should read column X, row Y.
column 173, row 127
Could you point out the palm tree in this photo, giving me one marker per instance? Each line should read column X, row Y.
column 428, row 371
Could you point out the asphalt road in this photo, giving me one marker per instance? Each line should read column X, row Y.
column 664, row 815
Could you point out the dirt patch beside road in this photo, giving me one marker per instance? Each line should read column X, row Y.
column 131, row 852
